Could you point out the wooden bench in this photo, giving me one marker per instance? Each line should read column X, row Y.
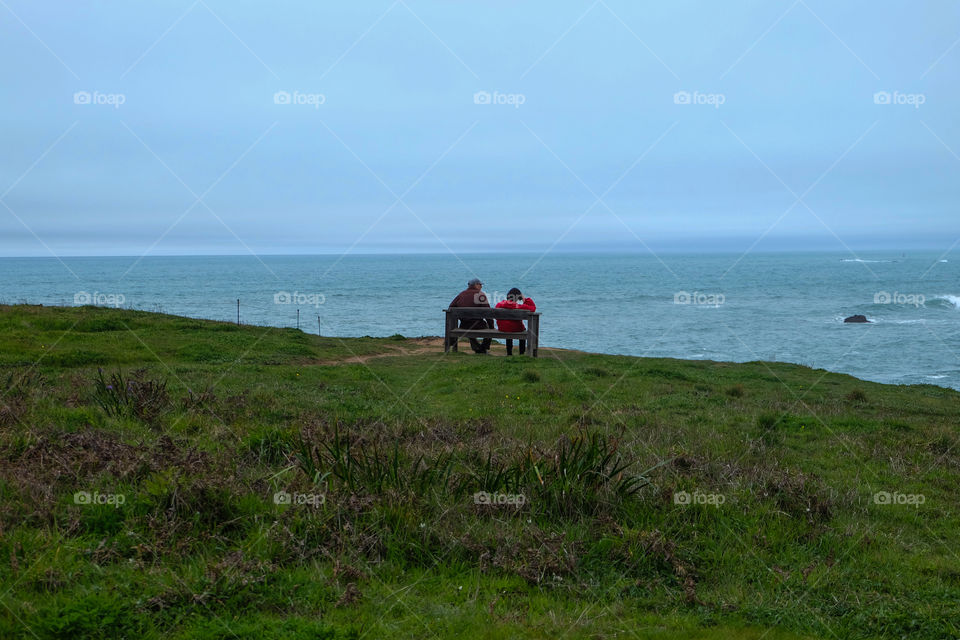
column 453, row 332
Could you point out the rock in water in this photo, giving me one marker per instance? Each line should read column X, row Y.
column 856, row 318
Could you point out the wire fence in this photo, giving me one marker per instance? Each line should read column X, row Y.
column 291, row 317
column 236, row 311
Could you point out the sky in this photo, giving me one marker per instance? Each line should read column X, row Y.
column 236, row 127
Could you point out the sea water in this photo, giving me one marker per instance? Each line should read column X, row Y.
column 777, row 306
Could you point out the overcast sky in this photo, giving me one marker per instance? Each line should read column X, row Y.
column 227, row 126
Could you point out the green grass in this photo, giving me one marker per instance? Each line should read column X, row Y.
column 576, row 495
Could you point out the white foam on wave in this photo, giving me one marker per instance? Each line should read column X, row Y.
column 952, row 299
column 862, row 260
column 941, row 261
column 936, row 377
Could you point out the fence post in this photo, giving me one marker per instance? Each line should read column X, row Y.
column 298, row 318
column 318, row 325
column 238, row 312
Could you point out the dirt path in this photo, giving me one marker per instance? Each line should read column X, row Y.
column 420, row 346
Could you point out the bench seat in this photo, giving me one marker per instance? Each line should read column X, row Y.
column 488, row 333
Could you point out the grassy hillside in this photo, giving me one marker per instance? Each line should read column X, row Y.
column 169, row 477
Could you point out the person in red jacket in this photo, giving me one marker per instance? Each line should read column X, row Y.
column 515, row 300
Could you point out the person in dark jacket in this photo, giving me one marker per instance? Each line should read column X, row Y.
column 473, row 296
column 515, row 300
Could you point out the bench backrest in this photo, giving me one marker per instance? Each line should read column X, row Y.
column 484, row 312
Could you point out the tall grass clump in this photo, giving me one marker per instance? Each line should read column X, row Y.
column 579, row 476
column 135, row 396
column 364, row 467
column 15, row 394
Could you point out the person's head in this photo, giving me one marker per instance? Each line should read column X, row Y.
column 474, row 283
column 514, row 295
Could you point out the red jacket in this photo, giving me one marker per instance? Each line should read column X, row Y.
column 514, row 325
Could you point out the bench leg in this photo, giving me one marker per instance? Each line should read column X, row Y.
column 534, row 331
column 449, row 342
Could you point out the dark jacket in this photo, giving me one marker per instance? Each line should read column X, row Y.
column 473, row 298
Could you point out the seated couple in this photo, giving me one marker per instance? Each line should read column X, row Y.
column 473, row 296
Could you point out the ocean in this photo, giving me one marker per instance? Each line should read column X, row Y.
column 776, row 306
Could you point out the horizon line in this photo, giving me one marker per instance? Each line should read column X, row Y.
column 619, row 252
